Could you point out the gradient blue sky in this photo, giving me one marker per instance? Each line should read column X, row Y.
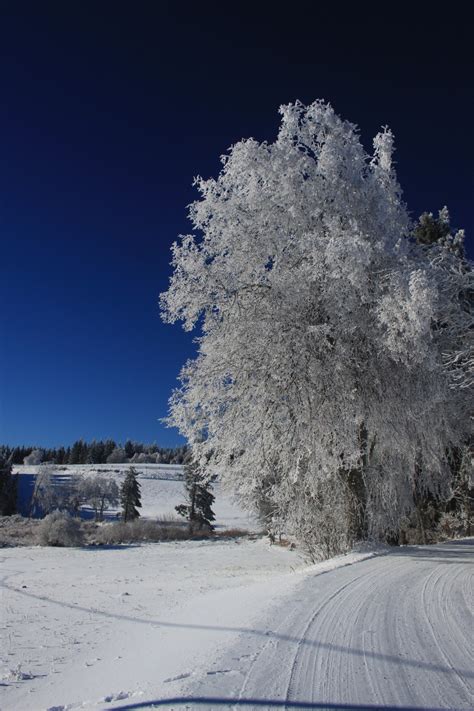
column 108, row 110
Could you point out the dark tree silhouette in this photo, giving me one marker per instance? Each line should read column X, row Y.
column 130, row 497
column 7, row 487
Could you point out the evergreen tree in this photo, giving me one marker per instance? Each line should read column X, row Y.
column 129, row 449
column 49, row 455
column 18, row 455
column 7, row 487
column 5, row 451
column 198, row 510
column 96, row 452
column 130, row 497
column 109, row 446
column 430, row 230
column 77, row 452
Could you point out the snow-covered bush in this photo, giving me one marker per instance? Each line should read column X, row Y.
column 17, row 530
column 35, row 457
column 138, row 531
column 145, row 458
column 117, row 456
column 324, row 327
column 453, row 525
column 60, row 529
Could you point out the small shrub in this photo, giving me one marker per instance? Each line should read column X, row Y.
column 285, row 543
column 452, row 525
column 139, row 531
column 232, row 533
column 17, row 674
column 60, row 529
column 17, row 530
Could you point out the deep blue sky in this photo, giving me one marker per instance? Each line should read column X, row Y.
column 107, row 111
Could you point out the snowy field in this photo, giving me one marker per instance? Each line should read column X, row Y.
column 119, row 628
column 109, row 628
column 162, row 489
column 112, row 628
column 82, row 628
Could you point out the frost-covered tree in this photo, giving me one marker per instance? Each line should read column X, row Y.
column 117, row 456
column 454, row 331
column 143, row 458
column 53, row 492
column 43, row 500
column 35, row 457
column 319, row 382
column 100, row 493
column 445, row 251
column 130, row 496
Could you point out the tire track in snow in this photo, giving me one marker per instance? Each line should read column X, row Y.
column 292, row 680
column 278, row 651
column 319, row 660
column 388, row 631
column 439, row 598
column 290, row 633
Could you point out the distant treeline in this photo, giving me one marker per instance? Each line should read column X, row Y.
column 96, row 452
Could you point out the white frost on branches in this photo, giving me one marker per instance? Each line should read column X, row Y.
column 319, row 380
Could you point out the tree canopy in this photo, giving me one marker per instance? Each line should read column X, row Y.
column 320, row 382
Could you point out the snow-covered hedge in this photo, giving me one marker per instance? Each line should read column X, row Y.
column 139, row 530
column 60, row 529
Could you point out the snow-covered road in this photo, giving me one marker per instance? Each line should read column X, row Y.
column 395, row 630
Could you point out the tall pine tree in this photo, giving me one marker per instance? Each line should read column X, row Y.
column 7, row 487
column 130, row 496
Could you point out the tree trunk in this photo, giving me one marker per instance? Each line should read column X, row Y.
column 101, row 511
column 358, row 527
column 358, row 505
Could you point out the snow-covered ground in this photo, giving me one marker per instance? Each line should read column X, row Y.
column 84, row 627
column 113, row 628
column 161, row 490
column 395, row 631
column 108, row 628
